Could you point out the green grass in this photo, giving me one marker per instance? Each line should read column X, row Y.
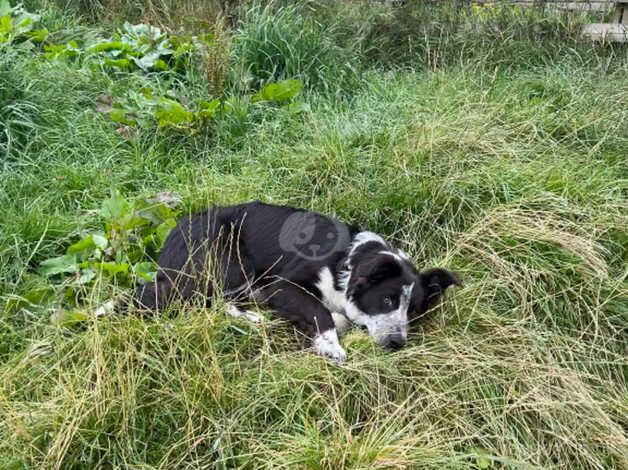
column 510, row 169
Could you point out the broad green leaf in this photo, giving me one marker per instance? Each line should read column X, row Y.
column 145, row 270
column 161, row 65
column 163, row 230
column 172, row 114
column 115, row 207
column 111, row 46
column 296, row 107
column 68, row 317
column 100, row 240
column 278, row 92
column 34, row 297
column 132, row 221
column 23, row 24
column 61, row 264
column 118, row 63
column 122, row 116
column 113, row 269
column 148, row 61
column 86, row 246
column 6, row 25
column 39, row 295
column 55, row 51
column 208, row 108
column 85, row 277
column 38, row 35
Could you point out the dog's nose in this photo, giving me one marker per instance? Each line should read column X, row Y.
column 394, row 342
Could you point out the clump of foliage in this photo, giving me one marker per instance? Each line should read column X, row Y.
column 147, row 48
column 145, row 109
column 131, row 236
column 18, row 25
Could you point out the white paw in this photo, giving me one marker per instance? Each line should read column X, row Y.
column 249, row 315
column 253, row 317
column 327, row 345
column 105, row 309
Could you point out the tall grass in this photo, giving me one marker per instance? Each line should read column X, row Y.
column 278, row 43
column 512, row 172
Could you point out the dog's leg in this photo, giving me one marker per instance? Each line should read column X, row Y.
column 342, row 323
column 235, row 312
column 308, row 314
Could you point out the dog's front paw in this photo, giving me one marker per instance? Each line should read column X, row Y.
column 326, row 344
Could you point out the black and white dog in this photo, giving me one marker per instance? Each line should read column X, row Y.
column 320, row 274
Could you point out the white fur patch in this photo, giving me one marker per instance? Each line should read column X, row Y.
column 249, row 315
column 341, row 323
column 326, row 344
column 334, row 299
column 105, row 309
column 365, row 237
column 390, row 253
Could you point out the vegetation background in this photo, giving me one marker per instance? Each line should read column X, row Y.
column 489, row 140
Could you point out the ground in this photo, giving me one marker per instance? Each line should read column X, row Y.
column 507, row 162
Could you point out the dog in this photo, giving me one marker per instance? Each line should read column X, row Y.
column 320, row 274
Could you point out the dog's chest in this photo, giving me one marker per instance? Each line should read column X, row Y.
column 335, row 300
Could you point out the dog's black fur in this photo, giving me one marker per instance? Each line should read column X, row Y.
column 303, row 265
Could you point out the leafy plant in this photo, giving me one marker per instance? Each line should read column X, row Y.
column 279, row 92
column 59, row 51
column 144, row 109
column 147, row 48
column 16, row 24
column 132, row 234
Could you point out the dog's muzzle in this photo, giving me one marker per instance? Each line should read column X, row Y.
column 394, row 342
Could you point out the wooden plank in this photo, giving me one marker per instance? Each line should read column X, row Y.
column 621, row 13
column 583, row 6
column 548, row 2
column 606, row 32
column 574, row 5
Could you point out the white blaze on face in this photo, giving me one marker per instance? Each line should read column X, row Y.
column 382, row 325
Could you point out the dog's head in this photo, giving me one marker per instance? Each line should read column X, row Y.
column 385, row 292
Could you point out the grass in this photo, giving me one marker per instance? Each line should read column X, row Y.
column 510, row 169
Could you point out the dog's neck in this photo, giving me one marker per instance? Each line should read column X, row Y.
column 346, row 264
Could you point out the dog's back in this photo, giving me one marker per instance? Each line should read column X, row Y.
column 236, row 246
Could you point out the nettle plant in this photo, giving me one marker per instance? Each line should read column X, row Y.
column 121, row 252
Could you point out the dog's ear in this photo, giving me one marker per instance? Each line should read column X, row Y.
column 381, row 267
column 371, row 271
column 435, row 281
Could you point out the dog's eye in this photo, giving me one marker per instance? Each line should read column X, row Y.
column 388, row 302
